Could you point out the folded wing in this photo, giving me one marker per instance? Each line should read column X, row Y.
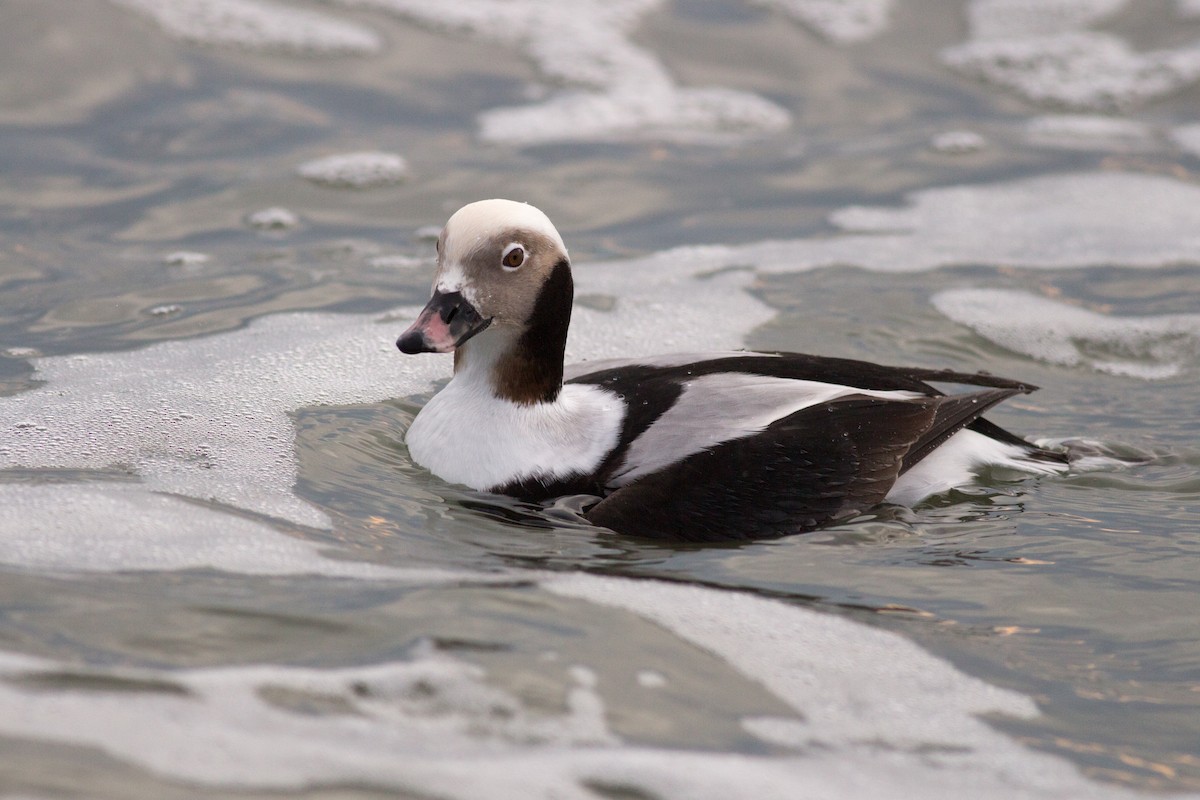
column 743, row 445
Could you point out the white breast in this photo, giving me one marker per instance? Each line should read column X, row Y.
column 466, row 435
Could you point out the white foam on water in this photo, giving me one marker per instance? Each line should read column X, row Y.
column 412, row 724
column 273, row 218
column 850, row 684
column 654, row 109
column 1081, row 70
column 584, row 42
column 1052, row 221
column 956, row 143
column 839, row 21
column 207, row 417
column 1041, row 50
column 258, row 25
column 356, row 170
column 1010, row 19
column 620, row 90
column 186, row 258
column 1089, row 132
column 651, row 679
column 1045, row 222
column 1149, row 347
column 875, row 717
column 121, row 527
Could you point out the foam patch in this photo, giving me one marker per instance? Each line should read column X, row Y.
column 1082, row 70
column 876, row 717
column 120, row 527
column 656, row 109
column 956, row 143
column 1042, row 51
column 1150, row 348
column 1089, row 132
column 863, row 672
column 1011, row 19
column 407, row 723
column 186, row 258
column 356, row 170
column 1113, row 218
column 274, row 218
column 839, row 21
column 258, row 25
column 207, row 418
column 620, row 90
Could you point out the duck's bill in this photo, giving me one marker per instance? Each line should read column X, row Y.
column 446, row 322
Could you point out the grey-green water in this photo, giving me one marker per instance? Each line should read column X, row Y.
column 121, row 145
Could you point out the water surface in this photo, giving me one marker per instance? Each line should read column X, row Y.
column 223, row 576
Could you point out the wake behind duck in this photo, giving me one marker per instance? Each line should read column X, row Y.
column 694, row 447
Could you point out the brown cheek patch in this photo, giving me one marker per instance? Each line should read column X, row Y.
column 532, row 371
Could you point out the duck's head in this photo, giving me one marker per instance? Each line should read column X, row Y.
column 504, row 278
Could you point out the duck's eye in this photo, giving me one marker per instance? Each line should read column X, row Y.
column 514, row 256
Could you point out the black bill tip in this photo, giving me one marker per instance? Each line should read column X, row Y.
column 413, row 342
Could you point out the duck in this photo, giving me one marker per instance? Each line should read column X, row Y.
column 692, row 447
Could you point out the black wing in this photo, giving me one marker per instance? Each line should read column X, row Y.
column 800, row 366
column 821, row 464
column 649, row 390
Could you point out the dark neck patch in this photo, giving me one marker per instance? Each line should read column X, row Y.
column 532, row 372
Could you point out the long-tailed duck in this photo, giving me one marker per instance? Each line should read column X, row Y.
column 687, row 447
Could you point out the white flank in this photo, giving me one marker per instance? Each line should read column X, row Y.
column 958, row 462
